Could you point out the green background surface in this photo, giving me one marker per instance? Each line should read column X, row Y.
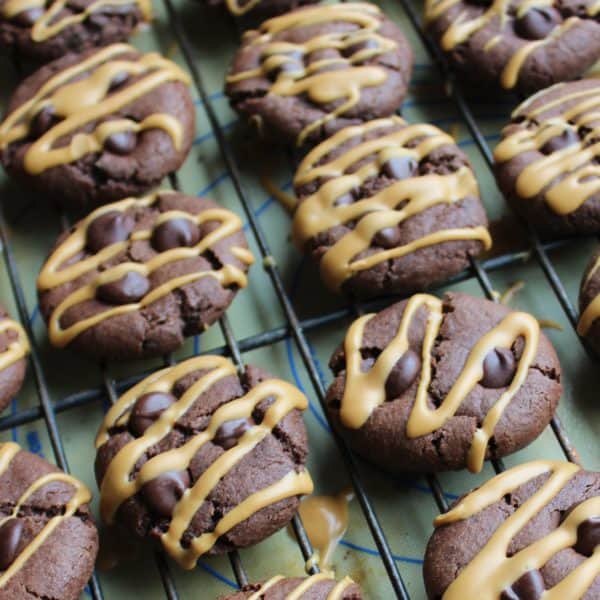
column 405, row 506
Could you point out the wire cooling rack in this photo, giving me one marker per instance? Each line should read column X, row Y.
column 295, row 330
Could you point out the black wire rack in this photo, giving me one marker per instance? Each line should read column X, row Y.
column 295, row 328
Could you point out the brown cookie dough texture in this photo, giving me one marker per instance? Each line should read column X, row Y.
column 589, row 304
column 520, row 45
column 48, row 540
column 386, row 207
column 304, row 75
column 259, row 8
column 432, row 385
column 531, row 532
column 136, row 277
column 547, row 162
column 14, row 347
column 98, row 127
column 204, row 459
column 315, row 587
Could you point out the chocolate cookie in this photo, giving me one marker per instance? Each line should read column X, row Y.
column 386, row 207
column 14, row 347
column 547, row 161
column 589, row 304
column 98, row 127
column 520, row 45
column 316, row 587
column 431, row 385
column 258, row 8
column 48, row 540
column 528, row 533
column 136, row 277
column 204, row 459
column 43, row 31
column 303, row 76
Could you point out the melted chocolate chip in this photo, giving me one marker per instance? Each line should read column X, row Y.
column 403, row 374
column 162, row 494
column 400, row 167
column 132, row 287
column 567, row 138
column 118, row 80
column 147, row 410
column 537, row 23
column 230, row 432
column 175, row 233
column 121, row 143
column 43, row 121
column 29, row 17
column 528, row 587
column 107, row 229
column 499, row 367
column 588, row 536
column 10, row 536
column 388, row 237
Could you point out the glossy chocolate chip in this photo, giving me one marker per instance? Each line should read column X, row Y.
column 344, row 199
column 147, row 410
column 175, row 233
column 132, row 287
column 567, row 138
column 528, row 587
column 588, row 536
column 43, row 121
column 109, row 228
column 230, row 432
column 10, row 536
column 387, row 238
column 537, row 23
column 121, row 143
column 403, row 374
column 118, row 80
column 29, row 17
column 369, row 44
column 499, row 367
column 162, row 494
column 400, row 167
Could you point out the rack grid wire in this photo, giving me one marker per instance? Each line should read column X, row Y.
column 295, row 328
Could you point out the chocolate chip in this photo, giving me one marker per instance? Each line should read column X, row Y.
column 109, row 228
column 132, row 287
column 400, row 167
column 118, row 80
column 147, row 410
column 43, row 121
column 537, row 23
column 567, row 138
column 588, row 536
column 162, row 494
column 121, row 142
column 29, row 17
column 403, row 374
column 388, row 237
column 369, row 44
column 528, row 587
column 230, row 432
column 10, row 536
column 175, row 233
column 499, row 368
column 345, row 199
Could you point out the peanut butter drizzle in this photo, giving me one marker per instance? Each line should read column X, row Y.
column 81, row 95
column 335, row 593
column 579, row 178
column 118, row 485
column 327, row 86
column 365, row 391
column 49, row 24
column 492, row 570
column 319, row 213
column 81, row 496
column 592, row 311
column 18, row 348
column 237, row 9
column 53, row 274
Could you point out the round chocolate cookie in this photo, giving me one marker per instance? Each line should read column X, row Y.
column 203, row 458
column 520, row 45
column 433, row 385
column 14, row 347
column 48, row 540
column 589, row 304
column 304, row 75
column 45, row 30
column 386, row 207
column 136, row 277
column 98, row 127
column 315, row 587
column 547, row 161
column 530, row 532
column 258, row 8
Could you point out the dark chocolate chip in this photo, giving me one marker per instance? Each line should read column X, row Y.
column 537, row 22
column 162, row 494
column 175, row 233
column 147, row 410
column 369, row 44
column 118, row 80
column 109, row 228
column 403, row 374
column 43, row 121
column 230, row 432
column 121, row 142
column 400, row 167
column 29, row 17
column 528, row 587
column 388, row 237
column 588, row 536
column 10, row 536
column 567, row 138
column 499, row 368
column 132, row 287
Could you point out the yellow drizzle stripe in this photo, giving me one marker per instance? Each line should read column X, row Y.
column 18, row 348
